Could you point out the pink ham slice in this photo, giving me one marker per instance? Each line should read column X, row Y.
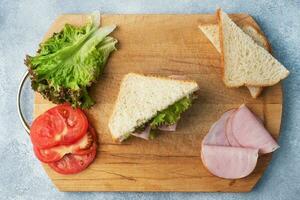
column 144, row 134
column 216, row 135
column 229, row 134
column 250, row 132
column 229, row 162
column 168, row 127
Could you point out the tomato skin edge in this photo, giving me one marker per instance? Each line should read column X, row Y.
column 54, row 156
column 55, row 112
column 73, row 171
column 92, row 151
column 42, row 158
column 34, row 137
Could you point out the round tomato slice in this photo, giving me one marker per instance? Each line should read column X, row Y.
column 81, row 146
column 72, row 164
column 61, row 125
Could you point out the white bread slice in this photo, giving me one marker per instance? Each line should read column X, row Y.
column 211, row 31
column 141, row 97
column 244, row 62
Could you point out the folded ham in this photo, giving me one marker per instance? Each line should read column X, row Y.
column 230, row 149
column 168, row 127
column 145, row 134
column 229, row 134
column 250, row 132
column 216, row 134
column 229, row 162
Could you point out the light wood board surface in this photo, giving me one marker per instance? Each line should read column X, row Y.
column 163, row 45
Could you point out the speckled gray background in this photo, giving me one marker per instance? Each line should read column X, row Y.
column 24, row 22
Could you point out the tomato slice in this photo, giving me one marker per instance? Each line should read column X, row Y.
column 61, row 125
column 93, row 146
column 72, row 164
column 82, row 146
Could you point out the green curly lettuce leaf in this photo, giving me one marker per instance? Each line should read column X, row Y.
column 171, row 114
column 168, row 116
column 69, row 62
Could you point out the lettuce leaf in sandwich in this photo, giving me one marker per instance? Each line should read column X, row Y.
column 167, row 117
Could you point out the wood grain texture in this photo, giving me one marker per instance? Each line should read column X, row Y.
column 164, row 45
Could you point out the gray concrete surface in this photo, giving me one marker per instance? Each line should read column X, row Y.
column 24, row 22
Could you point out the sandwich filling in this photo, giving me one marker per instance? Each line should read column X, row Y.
column 165, row 120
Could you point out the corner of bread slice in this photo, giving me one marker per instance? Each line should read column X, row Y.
column 141, row 97
column 211, row 31
column 255, row 91
column 243, row 61
column 119, row 139
column 130, row 75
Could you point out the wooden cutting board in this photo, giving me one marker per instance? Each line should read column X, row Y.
column 164, row 45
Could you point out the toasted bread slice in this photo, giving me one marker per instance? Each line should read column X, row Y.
column 245, row 62
column 211, row 31
column 141, row 97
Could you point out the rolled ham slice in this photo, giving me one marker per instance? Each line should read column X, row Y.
column 229, row 134
column 229, row 162
column 216, row 135
column 144, row 134
column 168, row 127
column 250, row 132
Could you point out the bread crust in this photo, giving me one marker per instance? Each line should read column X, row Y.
column 161, row 77
column 260, row 32
column 218, row 15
